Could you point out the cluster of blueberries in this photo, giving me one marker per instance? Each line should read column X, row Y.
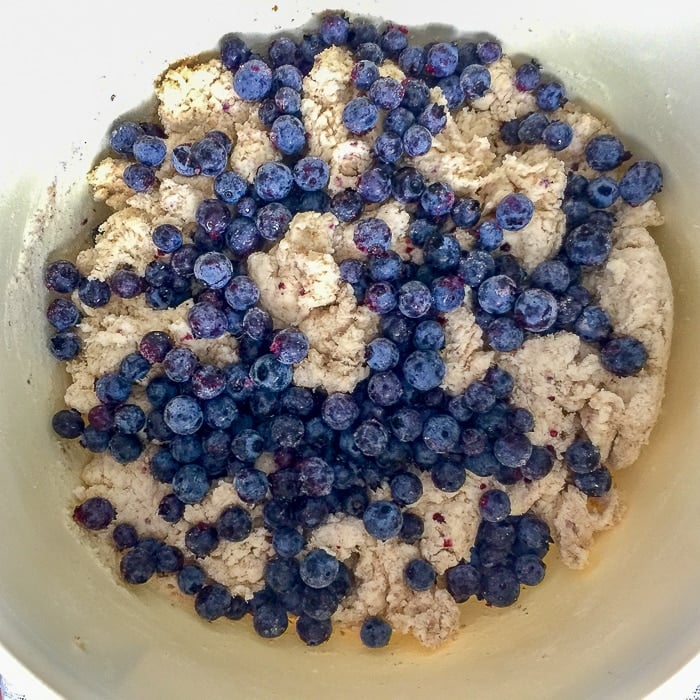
column 332, row 450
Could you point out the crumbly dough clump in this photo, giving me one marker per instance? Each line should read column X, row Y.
column 558, row 377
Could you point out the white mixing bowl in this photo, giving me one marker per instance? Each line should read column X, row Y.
column 620, row 629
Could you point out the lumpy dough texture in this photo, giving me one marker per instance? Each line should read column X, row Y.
column 558, row 377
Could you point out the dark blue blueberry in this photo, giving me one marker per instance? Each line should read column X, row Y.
column 441, row 60
column 386, row 93
column 480, row 397
column 213, row 216
column 568, row 310
column 497, row 294
column 311, row 173
column 533, row 536
column 458, row 409
column 588, row 244
column 95, row 440
column 237, row 609
column 475, row 267
column 429, row 335
column 315, row 477
column 112, row 388
column 347, row 205
column 289, row 346
column 527, row 77
column 406, row 424
column 206, row 321
column 317, row 201
column 397, row 328
column 190, row 483
column 124, row 136
column 384, row 389
column 398, row 120
column 270, row 620
column 374, row 185
column 593, row 324
column 241, row 293
column 281, row 575
column 424, row 370
column 68, row 423
column 273, row 181
column 160, row 390
column 268, row 112
column 309, row 47
column 95, row 513
column 171, row 508
column 508, row 132
column 212, row 601
column 388, row 147
column 362, row 32
column 168, row 559
column 500, row 382
column 412, row 528
column 514, row 211
column 475, row 81
column 287, row 542
column 488, row 52
column 156, row 429
column 371, row 437
column 499, row 586
column 182, row 260
column 385, row 267
column 417, row 140
column 210, row 155
column 521, row 420
column 504, row 335
column 489, row 233
column 62, row 314
column 595, row 483
column 191, row 579
column 129, row 418
column 339, row 411
column 381, row 354
column 251, row 485
column 414, row 299
column 93, row 293
column 213, row 269
column 208, row 382
column 466, row 212
column 532, row 128
column 380, row 297
column 229, row 187
column 124, row 536
column 313, row 632
column 282, row 51
column 247, row 206
column 272, row 221
column 437, row 199
column 137, row 566
column 334, row 29
column 407, row 185
column 462, row 581
column 318, row 569
column 268, row 372
column 297, row 400
column 529, row 569
column 441, row 433
column 411, row 61
column 363, row 74
column 318, row 603
column 124, row 448
column 453, row 91
column 179, row 364
column 149, row 150
column 448, row 476
column 557, row 135
column 642, row 181
column 159, row 274
column 552, row 275
column 419, row 575
column 448, row 293
column 582, row 456
column 360, row 115
column 512, row 450
column 602, row 192
column 375, row 632
column 247, row 445
column 352, row 271
column 494, row 505
column 605, row 152
column 183, row 415
column 138, row 177
column 183, row 161
column 406, row 488
column 234, row 51
column 202, row 539
column 287, row 101
column 253, row 80
column 538, row 465
column 167, row 238
column 550, row 96
column 61, row 276
column 382, row 519
column 394, row 39
column 442, row 252
column 535, row 310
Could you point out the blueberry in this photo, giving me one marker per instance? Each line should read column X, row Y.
column 124, row 136
column 429, row 335
column 372, row 236
column 339, row 411
column 137, row 566
column 94, row 513
column 602, row 192
column 371, row 437
column 281, row 51
column 213, row 216
column 497, row 294
column 437, row 199
column 213, row 269
column 281, row 575
column 334, row 29
column 475, row 267
column 206, row 321
column 550, row 96
column 382, row 519
column 582, row 456
column 315, row 477
column 171, row 508
column 251, row 485
column 247, row 206
column 268, row 372
column 183, row 415
column 168, row 559
column 129, row 419
column 442, row 252
column 311, row 173
column 287, row 542
column 190, row 579
column 535, row 310
column 514, row 211
column 462, row 581
column 407, row 185
column 417, row 140
column 310, row 46
column 419, row 575
column 414, row 299
column 229, row 186
column 494, row 505
column 93, row 293
column 313, row 632
column 287, row 101
column 412, row 528
column 538, row 465
column 212, row 601
column 441, row 433
column 475, row 81
column 552, row 275
column 448, row 476
column 374, row 185
column 588, row 244
column 156, row 429
column 182, row 260
column 452, row 91
column 386, row 93
column 527, row 77
column 531, row 128
column 160, row 390
column 642, row 181
column 318, row 569
column 297, row 400
column 273, row 181
column 593, row 324
column 139, row 177
column 509, row 132
column 384, row 389
column 360, row 115
column 62, row 314
column 234, row 51
column 149, row 150
column 605, row 152
column 394, row 39
column 406, row 424
column 61, row 276
column 406, row 488
column 253, row 80
column 270, row 620
column 504, row 335
column 441, row 60
column 346, row 205
column 499, row 586
column 448, row 293
column 247, row 445
column 112, row 388
column 424, row 370
column 529, row 569
column 466, row 212
column 512, row 450
column 125, row 284
column 375, row 632
column 595, row 483
column 398, row 120
column 557, row 135
column 381, row 354
column 183, row 161
column 388, row 147
column 411, row 61
column 210, row 155
column 190, row 483
column 124, row 536
column 202, row 539
column 369, row 51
